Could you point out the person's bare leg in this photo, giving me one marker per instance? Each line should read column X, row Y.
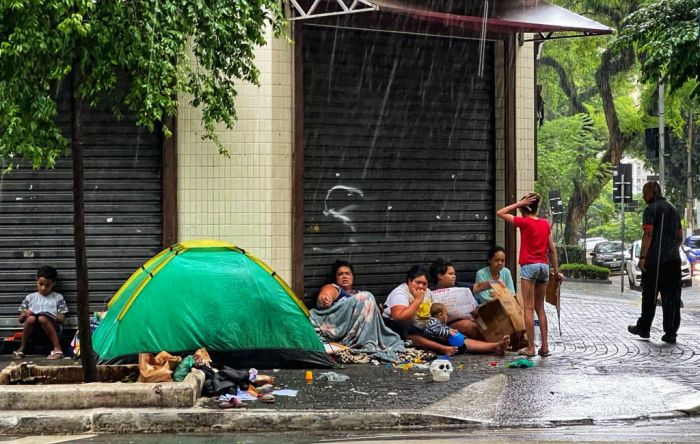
column 431, row 345
column 467, row 327
column 47, row 324
column 529, row 308
column 476, row 346
column 540, row 293
column 27, row 332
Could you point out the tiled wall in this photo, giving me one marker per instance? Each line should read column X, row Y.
column 525, row 123
column 525, row 118
column 499, row 101
column 244, row 199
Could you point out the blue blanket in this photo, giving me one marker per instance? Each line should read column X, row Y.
column 357, row 323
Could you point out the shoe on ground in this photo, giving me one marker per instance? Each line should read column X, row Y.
column 636, row 331
column 669, row 338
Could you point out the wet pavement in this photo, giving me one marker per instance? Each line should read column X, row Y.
column 597, row 372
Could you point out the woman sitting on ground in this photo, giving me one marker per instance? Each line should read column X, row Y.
column 444, row 275
column 408, row 310
column 495, row 273
column 352, row 318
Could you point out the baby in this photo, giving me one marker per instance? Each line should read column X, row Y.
column 437, row 327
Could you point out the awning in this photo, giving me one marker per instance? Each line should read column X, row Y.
column 502, row 16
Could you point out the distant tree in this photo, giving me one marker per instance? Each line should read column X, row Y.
column 666, row 34
column 87, row 47
column 591, row 77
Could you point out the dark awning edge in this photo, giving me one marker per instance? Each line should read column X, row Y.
column 541, row 18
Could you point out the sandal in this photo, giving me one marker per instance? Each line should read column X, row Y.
column 17, row 355
column 543, row 353
column 54, row 355
column 525, row 352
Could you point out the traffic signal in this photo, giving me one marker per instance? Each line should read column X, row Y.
column 622, row 182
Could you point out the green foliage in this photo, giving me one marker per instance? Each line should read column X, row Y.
column 612, row 230
column 665, row 33
column 571, row 254
column 147, row 42
column 584, row 271
column 564, row 145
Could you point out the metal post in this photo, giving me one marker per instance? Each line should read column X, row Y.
column 662, row 139
column 689, row 178
column 622, row 221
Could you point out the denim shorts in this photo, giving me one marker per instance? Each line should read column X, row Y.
column 535, row 272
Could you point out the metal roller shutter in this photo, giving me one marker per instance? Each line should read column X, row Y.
column 123, row 213
column 398, row 155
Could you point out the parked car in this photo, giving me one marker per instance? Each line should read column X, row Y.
column 692, row 250
column 589, row 243
column 609, row 254
column 634, row 274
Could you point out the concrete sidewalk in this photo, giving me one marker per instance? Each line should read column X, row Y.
column 597, row 373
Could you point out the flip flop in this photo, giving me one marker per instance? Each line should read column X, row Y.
column 543, row 353
column 524, row 352
column 54, row 355
column 17, row 355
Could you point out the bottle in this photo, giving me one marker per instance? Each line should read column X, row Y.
column 309, row 376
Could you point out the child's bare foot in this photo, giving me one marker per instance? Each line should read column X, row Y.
column 502, row 345
column 448, row 350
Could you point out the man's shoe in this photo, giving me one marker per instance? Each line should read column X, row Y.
column 669, row 338
column 636, row 331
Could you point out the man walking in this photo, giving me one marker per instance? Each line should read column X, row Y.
column 660, row 263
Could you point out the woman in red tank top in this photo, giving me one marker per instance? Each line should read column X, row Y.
column 536, row 252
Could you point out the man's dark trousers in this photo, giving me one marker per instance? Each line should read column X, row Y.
column 669, row 285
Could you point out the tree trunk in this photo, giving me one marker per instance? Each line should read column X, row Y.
column 585, row 193
column 81, row 272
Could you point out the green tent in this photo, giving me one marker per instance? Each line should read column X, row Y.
column 209, row 294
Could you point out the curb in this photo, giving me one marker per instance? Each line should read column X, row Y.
column 198, row 420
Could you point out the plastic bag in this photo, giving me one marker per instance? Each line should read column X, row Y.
column 157, row 369
column 201, row 358
column 333, row 376
column 183, row 369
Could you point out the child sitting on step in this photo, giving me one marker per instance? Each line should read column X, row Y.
column 44, row 307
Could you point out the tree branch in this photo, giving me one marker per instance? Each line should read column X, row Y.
column 566, row 85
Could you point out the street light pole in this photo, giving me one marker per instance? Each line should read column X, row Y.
column 662, row 130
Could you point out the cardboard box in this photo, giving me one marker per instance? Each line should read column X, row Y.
column 553, row 290
column 500, row 317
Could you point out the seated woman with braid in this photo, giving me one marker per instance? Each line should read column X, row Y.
column 352, row 318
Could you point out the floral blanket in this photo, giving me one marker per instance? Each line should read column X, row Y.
column 357, row 323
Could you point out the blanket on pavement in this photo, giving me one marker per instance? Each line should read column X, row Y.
column 357, row 323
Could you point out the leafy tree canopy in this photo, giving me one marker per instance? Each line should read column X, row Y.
column 43, row 42
column 666, row 35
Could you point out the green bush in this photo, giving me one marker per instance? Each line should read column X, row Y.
column 584, row 271
column 575, row 254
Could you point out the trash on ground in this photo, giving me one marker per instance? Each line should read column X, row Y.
column 333, row 377
column 520, row 363
column 285, row 392
column 267, row 398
